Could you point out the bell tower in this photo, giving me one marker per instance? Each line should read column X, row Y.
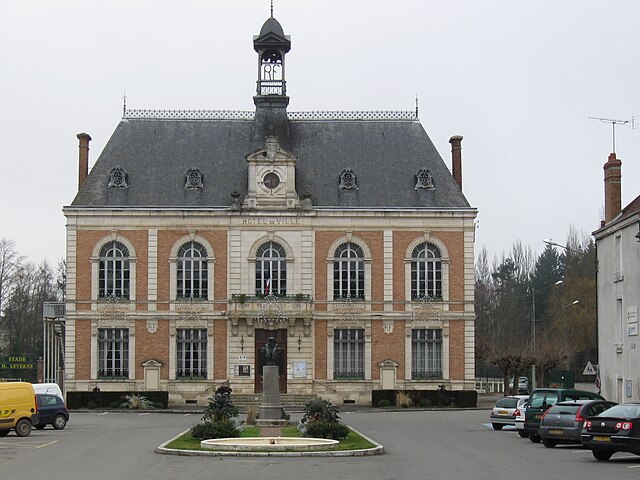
column 272, row 46
column 271, row 98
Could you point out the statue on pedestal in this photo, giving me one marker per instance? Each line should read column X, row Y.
column 271, row 352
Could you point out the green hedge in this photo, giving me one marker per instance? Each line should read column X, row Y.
column 460, row 398
column 77, row 400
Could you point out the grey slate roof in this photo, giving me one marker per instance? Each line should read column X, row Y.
column 156, row 153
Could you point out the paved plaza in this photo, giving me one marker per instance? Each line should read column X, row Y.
column 418, row 445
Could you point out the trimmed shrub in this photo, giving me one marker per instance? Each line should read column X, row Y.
column 220, row 406
column 333, row 430
column 459, row 398
column 76, row 400
column 424, row 403
column 320, row 411
column 224, row 428
column 384, row 403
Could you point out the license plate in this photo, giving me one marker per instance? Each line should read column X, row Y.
column 503, row 412
column 600, row 438
column 556, row 431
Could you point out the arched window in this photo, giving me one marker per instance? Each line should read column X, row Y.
column 426, row 272
column 192, row 271
column 271, row 269
column 113, row 276
column 348, row 272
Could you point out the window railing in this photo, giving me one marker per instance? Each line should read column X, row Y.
column 348, row 374
column 188, row 373
column 243, row 297
column 426, row 374
column 116, row 374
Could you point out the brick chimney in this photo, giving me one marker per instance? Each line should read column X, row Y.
column 456, row 158
column 83, row 160
column 612, row 188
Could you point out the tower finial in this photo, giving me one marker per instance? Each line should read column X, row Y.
column 124, row 104
column 271, row 8
column 417, row 106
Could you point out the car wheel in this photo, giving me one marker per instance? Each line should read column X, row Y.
column 4, row 433
column 59, row 422
column 535, row 438
column 548, row 443
column 23, row 428
column 602, row 455
column 523, row 433
column 497, row 426
column 40, row 426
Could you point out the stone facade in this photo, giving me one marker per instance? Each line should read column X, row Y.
column 235, row 312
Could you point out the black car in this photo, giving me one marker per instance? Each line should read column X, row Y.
column 614, row 430
column 51, row 410
column 563, row 422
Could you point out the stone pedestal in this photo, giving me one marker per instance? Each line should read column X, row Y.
column 271, row 411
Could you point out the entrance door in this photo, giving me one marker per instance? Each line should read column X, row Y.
column 261, row 337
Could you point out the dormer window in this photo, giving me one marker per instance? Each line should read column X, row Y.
column 118, row 178
column 348, row 180
column 424, row 180
column 193, row 179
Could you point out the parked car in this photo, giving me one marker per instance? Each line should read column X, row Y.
column 52, row 411
column 614, row 430
column 523, row 386
column 50, row 388
column 543, row 398
column 503, row 412
column 519, row 421
column 563, row 422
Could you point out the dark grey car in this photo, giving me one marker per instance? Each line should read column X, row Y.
column 563, row 422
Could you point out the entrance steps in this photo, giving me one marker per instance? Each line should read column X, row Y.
column 291, row 402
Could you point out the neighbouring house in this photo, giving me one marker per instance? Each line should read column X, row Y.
column 618, row 249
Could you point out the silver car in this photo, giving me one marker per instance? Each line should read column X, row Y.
column 519, row 414
column 503, row 412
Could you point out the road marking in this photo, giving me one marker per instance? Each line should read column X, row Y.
column 104, row 413
column 187, row 414
column 141, row 414
column 47, row 444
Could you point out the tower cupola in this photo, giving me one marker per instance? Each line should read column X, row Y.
column 272, row 45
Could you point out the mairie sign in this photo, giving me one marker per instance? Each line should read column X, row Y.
column 17, row 363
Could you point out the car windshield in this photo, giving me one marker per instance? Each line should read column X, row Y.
column 565, row 409
column 507, row 402
column 622, row 411
column 543, row 399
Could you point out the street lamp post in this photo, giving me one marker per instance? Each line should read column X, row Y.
column 533, row 326
column 564, row 331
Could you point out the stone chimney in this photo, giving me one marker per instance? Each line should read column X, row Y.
column 83, row 160
column 456, row 158
column 612, row 188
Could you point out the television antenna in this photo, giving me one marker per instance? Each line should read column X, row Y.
column 613, row 123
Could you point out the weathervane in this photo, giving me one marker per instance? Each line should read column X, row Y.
column 613, row 126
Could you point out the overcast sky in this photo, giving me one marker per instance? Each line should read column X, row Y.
column 518, row 79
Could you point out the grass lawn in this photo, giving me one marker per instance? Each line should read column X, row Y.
column 352, row 442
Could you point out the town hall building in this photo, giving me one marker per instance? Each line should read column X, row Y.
column 198, row 235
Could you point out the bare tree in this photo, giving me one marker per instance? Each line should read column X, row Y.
column 10, row 262
column 551, row 352
column 513, row 359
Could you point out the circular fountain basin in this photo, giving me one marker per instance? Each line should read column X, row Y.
column 269, row 444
